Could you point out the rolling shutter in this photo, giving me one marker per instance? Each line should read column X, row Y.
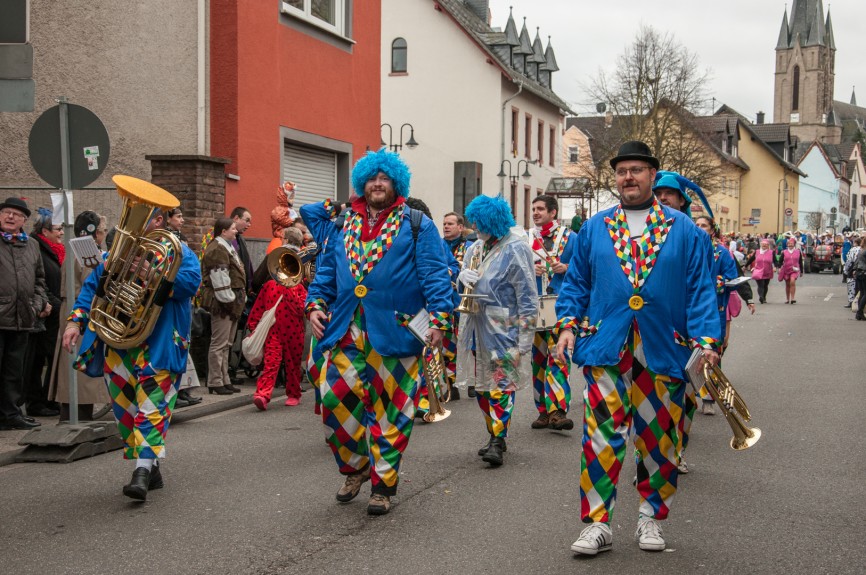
column 314, row 172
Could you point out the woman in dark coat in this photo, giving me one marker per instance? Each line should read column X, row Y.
column 40, row 350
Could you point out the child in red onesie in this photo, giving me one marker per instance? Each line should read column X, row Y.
column 285, row 342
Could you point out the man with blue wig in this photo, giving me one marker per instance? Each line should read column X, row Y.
column 494, row 344
column 376, row 277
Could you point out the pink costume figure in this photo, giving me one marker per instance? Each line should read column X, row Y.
column 762, row 270
column 285, row 342
column 792, row 263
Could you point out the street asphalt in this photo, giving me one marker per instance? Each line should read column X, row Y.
column 253, row 493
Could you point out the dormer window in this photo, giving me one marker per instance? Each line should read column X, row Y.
column 399, row 56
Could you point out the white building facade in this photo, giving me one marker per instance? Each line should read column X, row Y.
column 450, row 80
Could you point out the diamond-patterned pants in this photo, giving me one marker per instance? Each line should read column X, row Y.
column 689, row 408
column 496, row 405
column 142, row 400
column 368, row 407
column 620, row 400
column 449, row 351
column 550, row 387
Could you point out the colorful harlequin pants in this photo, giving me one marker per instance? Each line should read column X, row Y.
column 142, row 399
column 496, row 405
column 620, row 399
column 368, row 407
column 550, row 387
column 285, row 350
column 449, row 351
column 689, row 408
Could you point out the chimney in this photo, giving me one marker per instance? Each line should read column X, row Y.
column 760, row 119
column 608, row 119
column 480, row 8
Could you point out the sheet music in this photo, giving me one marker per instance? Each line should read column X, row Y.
column 737, row 281
column 86, row 252
column 420, row 324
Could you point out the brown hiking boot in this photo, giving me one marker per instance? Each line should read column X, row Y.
column 559, row 421
column 542, row 422
column 352, row 486
column 378, row 504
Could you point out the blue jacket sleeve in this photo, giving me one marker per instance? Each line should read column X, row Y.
column 574, row 292
column 702, row 319
column 432, row 272
column 323, row 291
column 317, row 217
column 188, row 278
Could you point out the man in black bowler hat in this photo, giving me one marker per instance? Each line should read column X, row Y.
column 23, row 299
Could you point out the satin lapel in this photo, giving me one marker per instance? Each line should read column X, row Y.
column 360, row 263
column 649, row 245
column 618, row 230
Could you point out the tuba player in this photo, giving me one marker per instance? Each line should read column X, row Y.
column 143, row 379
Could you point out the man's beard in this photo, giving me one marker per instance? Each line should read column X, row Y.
column 388, row 200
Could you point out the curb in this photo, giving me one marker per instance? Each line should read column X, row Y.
column 188, row 414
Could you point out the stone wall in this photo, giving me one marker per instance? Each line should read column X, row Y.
column 199, row 183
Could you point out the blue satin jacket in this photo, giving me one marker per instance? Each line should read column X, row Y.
column 168, row 344
column 406, row 279
column 678, row 311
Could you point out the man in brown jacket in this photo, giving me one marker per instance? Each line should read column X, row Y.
column 23, row 299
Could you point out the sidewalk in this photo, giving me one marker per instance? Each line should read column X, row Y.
column 209, row 405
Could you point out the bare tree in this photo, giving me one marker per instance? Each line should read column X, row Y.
column 653, row 95
column 814, row 221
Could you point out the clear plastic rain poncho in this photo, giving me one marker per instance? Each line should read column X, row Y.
column 501, row 334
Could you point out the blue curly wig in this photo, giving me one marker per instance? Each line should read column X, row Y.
column 382, row 161
column 490, row 215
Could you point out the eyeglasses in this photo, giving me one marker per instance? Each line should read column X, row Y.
column 634, row 171
column 13, row 213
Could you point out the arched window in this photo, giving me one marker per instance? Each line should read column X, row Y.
column 398, row 56
column 795, row 90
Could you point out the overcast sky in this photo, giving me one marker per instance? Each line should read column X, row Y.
column 734, row 39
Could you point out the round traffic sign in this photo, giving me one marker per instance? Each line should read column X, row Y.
column 89, row 147
column 789, row 211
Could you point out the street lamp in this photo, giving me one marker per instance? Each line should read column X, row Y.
column 410, row 143
column 779, row 208
column 526, row 175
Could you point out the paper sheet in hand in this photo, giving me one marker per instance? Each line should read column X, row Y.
column 420, row 324
column 695, row 375
column 737, row 281
column 87, row 253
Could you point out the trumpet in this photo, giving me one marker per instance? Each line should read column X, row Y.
column 438, row 391
column 468, row 300
column 733, row 407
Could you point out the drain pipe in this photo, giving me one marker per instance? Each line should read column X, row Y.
column 502, row 140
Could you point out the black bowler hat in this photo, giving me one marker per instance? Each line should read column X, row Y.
column 16, row 203
column 635, row 150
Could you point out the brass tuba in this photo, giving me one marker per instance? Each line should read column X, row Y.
column 733, row 407
column 140, row 269
column 289, row 267
column 438, row 391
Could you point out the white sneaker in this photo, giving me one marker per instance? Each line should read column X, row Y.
column 683, row 467
column 593, row 540
column 708, row 408
column 649, row 534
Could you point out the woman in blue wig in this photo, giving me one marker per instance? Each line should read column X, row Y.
column 499, row 269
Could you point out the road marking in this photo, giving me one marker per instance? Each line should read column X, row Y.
column 829, row 295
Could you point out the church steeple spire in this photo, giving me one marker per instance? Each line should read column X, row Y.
column 784, row 41
column 853, row 96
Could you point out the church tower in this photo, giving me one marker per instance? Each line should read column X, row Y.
column 805, row 73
